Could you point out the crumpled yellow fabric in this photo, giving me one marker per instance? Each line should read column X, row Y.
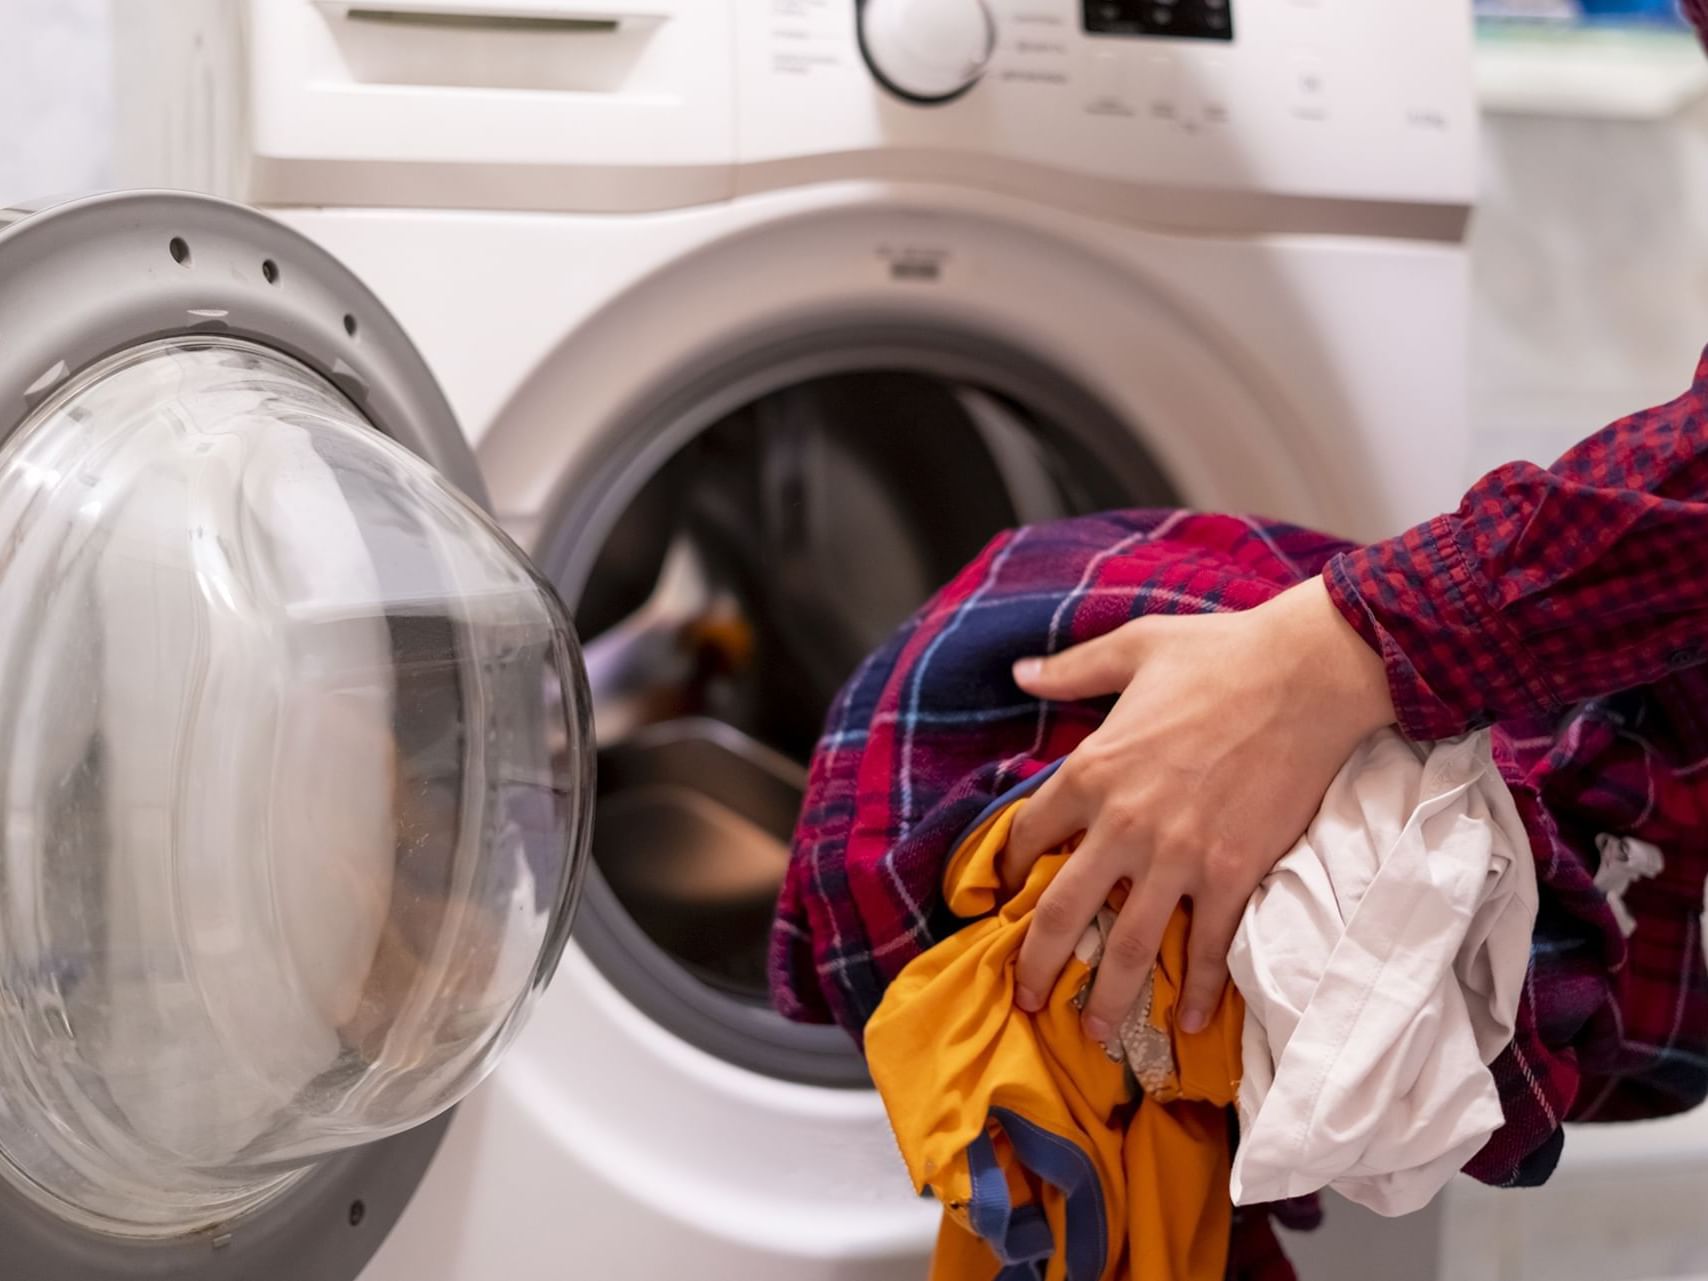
column 1141, row 1183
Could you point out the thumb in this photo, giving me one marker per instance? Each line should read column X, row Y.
column 1101, row 666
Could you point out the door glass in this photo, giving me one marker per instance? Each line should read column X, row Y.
column 289, row 837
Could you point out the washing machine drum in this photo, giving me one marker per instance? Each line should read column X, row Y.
column 294, row 777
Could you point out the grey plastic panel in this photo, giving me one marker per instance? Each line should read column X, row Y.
column 82, row 279
column 325, row 1228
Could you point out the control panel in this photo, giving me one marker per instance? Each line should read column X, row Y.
column 1125, row 108
column 1124, row 105
column 1178, row 19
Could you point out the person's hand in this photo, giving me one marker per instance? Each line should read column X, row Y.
column 1228, row 730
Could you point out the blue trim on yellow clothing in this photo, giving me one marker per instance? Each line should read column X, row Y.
column 1020, row 1238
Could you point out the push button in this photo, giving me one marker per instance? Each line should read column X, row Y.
column 1308, row 79
column 1105, row 75
column 1161, row 87
column 1310, row 87
column 1107, row 92
column 1213, row 91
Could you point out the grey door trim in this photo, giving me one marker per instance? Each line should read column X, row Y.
column 324, row 1228
column 83, row 279
column 88, row 277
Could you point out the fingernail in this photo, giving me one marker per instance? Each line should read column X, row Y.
column 1028, row 1000
column 1194, row 1021
column 1096, row 1029
column 1028, row 669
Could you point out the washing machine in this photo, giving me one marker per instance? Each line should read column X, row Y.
column 752, row 320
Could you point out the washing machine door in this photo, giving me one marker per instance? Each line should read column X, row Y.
column 295, row 775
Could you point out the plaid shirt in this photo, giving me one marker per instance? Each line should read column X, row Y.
column 931, row 728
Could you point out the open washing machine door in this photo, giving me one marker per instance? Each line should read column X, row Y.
column 295, row 753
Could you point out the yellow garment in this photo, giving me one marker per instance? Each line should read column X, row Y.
column 955, row 1059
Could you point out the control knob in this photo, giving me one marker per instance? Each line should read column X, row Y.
column 927, row 51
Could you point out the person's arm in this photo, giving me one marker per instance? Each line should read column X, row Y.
column 1545, row 588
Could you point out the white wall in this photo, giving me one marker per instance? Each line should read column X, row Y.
column 1590, row 268
column 55, row 97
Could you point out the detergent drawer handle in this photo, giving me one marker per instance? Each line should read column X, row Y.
column 563, row 15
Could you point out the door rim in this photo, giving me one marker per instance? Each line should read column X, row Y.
column 591, row 497
column 86, row 278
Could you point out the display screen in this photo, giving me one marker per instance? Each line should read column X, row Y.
column 1185, row 19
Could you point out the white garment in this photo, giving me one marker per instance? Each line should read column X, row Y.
column 1381, row 963
column 1625, row 860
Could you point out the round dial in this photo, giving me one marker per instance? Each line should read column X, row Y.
column 927, row 50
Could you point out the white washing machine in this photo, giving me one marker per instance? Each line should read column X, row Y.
column 761, row 316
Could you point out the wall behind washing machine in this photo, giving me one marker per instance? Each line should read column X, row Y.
column 1589, row 267
column 55, row 97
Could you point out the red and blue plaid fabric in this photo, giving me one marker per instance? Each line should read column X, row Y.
column 931, row 728
column 1610, row 1029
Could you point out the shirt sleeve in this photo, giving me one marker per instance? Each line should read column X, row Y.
column 1548, row 586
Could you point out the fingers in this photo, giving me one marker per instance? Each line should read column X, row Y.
column 1127, row 957
column 1101, row 666
column 1069, row 905
column 1051, row 817
column 1215, row 919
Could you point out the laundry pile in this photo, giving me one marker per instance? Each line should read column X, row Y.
column 1031, row 1134
column 1475, row 942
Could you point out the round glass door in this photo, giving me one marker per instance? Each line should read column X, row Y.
column 295, row 785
